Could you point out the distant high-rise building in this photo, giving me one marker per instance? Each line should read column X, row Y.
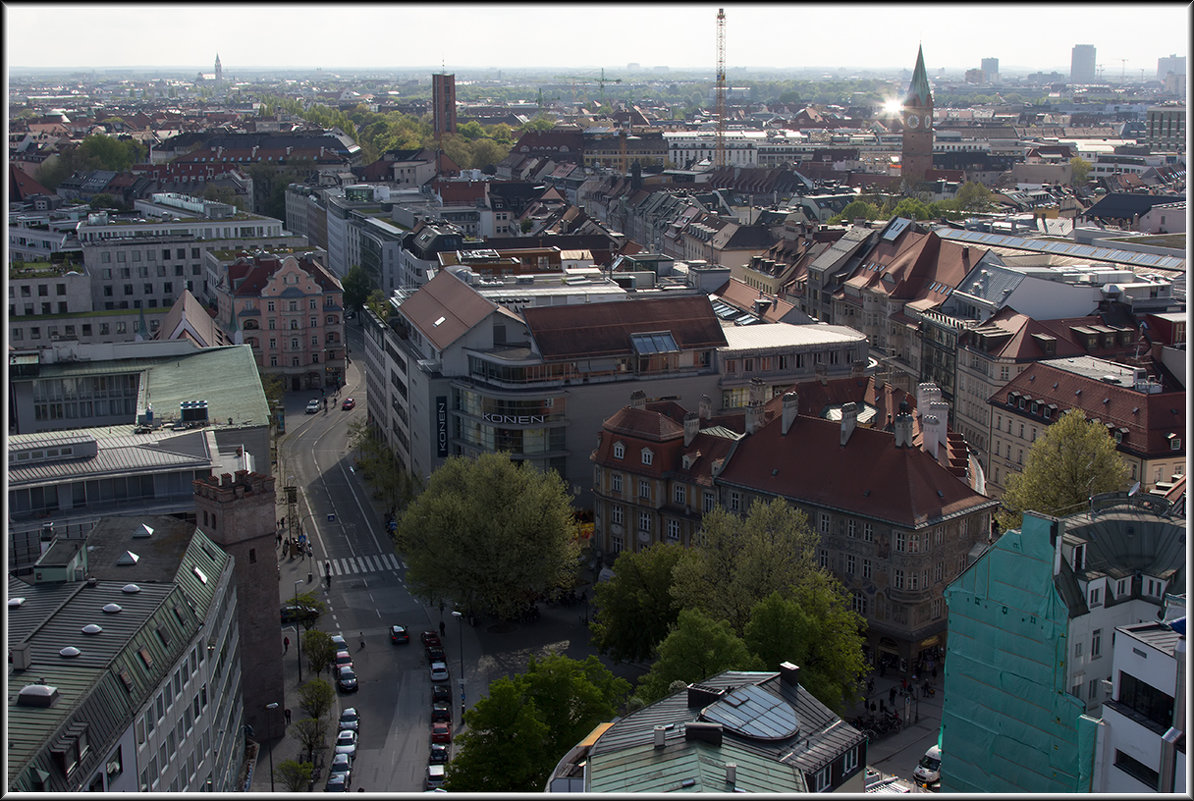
column 990, row 68
column 219, row 69
column 1168, row 64
column 443, row 103
column 1082, row 64
column 916, row 152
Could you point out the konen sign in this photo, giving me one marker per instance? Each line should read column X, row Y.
column 514, row 419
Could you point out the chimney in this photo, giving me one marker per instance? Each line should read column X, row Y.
column 731, row 774
column 928, row 434
column 758, row 391
column 700, row 696
column 791, row 407
column 789, row 674
column 702, row 731
column 660, row 735
column 902, row 426
column 638, row 399
column 692, row 424
column 20, row 656
column 705, row 407
column 754, row 416
column 849, row 420
column 939, row 410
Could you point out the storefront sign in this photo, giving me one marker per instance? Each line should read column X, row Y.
column 514, row 419
column 441, row 425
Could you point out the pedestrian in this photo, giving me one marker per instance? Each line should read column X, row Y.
column 934, row 673
column 442, row 628
column 362, row 641
column 287, row 717
column 279, row 536
column 285, row 645
column 891, row 694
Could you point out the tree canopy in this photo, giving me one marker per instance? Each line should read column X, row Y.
column 697, row 647
column 1071, row 460
column 636, row 608
column 490, row 533
column 357, row 286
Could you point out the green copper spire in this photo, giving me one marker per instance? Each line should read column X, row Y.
column 918, row 90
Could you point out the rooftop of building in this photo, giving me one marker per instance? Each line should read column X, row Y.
column 776, row 336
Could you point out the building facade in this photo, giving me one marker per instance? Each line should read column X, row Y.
column 916, row 149
column 443, row 104
column 1082, row 64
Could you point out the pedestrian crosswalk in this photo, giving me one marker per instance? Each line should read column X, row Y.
column 373, row 563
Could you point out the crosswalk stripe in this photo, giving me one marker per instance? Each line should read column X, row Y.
column 393, row 561
column 341, row 567
column 371, row 565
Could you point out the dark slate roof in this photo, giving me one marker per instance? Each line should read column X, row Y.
column 1126, row 205
column 918, row 89
column 604, row 329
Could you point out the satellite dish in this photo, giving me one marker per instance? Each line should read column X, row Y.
column 1135, row 488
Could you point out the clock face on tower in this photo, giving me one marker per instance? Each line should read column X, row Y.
column 928, row 121
column 913, row 120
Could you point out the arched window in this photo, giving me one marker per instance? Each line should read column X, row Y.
column 619, row 450
column 648, row 456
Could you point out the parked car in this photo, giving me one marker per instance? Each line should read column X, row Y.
column 439, row 671
column 430, row 638
column 313, row 406
column 341, row 763
column 928, row 770
column 435, row 777
column 343, row 658
column 350, row 720
column 441, row 710
column 337, row 782
column 339, row 643
column 346, row 679
column 439, row 754
column 294, row 614
column 435, row 654
column 346, row 743
column 440, row 692
column 399, row 635
column 441, row 732
column 348, row 403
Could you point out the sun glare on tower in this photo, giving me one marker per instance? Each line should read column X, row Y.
column 892, row 105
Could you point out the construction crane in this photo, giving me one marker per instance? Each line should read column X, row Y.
column 600, row 80
column 720, row 140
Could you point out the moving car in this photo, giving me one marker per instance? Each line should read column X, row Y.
column 928, row 770
column 346, row 679
column 399, row 635
column 350, row 720
column 441, row 711
column 439, row 671
column 346, row 743
column 441, row 732
column 348, row 403
column 313, row 406
column 439, row 754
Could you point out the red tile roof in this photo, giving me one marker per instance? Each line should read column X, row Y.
column 908, row 268
column 604, row 329
column 21, row 185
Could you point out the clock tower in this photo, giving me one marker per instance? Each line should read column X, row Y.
column 916, row 155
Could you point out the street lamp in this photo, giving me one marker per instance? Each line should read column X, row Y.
column 460, row 627
column 271, row 707
column 298, row 635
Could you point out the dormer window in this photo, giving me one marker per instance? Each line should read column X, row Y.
column 619, row 450
column 648, row 456
column 1175, row 442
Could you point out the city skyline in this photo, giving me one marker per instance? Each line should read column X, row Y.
column 680, row 36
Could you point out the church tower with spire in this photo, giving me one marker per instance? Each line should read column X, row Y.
column 219, row 70
column 916, row 155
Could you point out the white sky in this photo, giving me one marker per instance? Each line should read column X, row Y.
column 1129, row 37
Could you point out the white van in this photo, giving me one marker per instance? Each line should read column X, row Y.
column 435, row 777
column 928, row 770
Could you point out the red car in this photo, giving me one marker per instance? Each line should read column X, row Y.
column 348, row 404
column 431, row 639
column 441, row 733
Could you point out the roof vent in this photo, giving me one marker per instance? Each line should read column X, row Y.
column 702, row 731
column 13, row 603
column 112, row 609
column 42, row 695
column 92, row 628
column 660, row 736
column 143, row 532
column 69, row 651
column 128, row 558
column 20, row 656
column 130, row 589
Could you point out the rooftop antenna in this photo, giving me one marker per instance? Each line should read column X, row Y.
column 720, row 144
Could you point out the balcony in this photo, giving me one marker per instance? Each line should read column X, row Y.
column 908, row 596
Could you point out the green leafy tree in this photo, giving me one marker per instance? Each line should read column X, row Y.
column 487, row 153
column 471, row 130
column 1080, row 168
column 504, row 746
column 315, row 697
column 491, row 533
column 294, row 775
column 636, row 608
column 540, row 122
column 357, row 287
column 571, row 697
column 911, row 208
column 972, row 196
column 99, row 152
column 1071, row 460
column 856, row 210
column 312, row 606
column 105, row 201
column 738, row 562
column 697, row 647
column 319, row 650
column 312, row 734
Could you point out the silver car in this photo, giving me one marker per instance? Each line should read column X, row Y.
column 439, row 671
column 346, row 743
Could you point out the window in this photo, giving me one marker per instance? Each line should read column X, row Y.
column 850, row 564
column 850, row 760
column 615, row 482
column 673, row 530
column 644, row 489
column 823, row 522
column 735, row 501
column 900, row 541
column 851, row 528
column 938, row 571
column 115, row 765
column 1096, row 643
column 1136, row 769
column 1095, row 597
column 1146, row 700
column 616, row 515
column 710, row 500
column 648, row 456
column 644, row 521
column 619, row 450
column 868, row 532
column 679, row 495
column 859, row 603
column 866, row 568
column 821, row 781
column 823, row 557
column 898, row 579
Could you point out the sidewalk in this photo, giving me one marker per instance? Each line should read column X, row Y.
column 898, row 753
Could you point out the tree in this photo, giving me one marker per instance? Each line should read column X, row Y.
column 487, row 153
column 540, row 122
column 738, row 562
column 571, row 697
column 357, row 287
column 697, row 647
column 857, row 210
column 972, row 196
column 819, row 632
column 503, row 749
column 315, row 697
column 491, row 533
column 295, row 775
column 311, row 608
column 1081, row 170
column 1072, row 459
column 319, row 650
column 636, row 608
column 274, row 387
column 911, row 208
column 311, row 734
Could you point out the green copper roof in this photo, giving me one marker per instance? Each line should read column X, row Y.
column 918, row 90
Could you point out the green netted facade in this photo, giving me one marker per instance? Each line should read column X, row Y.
column 1009, row 725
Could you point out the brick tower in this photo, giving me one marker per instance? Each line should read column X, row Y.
column 237, row 513
column 916, row 156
